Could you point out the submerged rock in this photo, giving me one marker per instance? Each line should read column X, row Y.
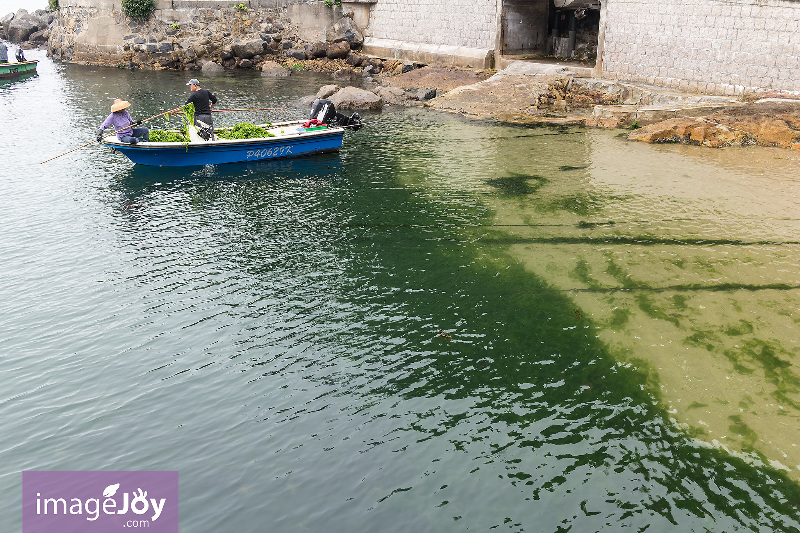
column 209, row 67
column 270, row 69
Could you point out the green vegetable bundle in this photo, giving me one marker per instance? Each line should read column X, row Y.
column 188, row 113
column 244, row 130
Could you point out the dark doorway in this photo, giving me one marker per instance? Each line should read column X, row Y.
column 564, row 29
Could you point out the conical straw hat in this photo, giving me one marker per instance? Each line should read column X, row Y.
column 119, row 105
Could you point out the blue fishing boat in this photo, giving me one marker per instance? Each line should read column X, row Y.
column 288, row 139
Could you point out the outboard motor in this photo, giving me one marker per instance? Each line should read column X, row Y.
column 324, row 111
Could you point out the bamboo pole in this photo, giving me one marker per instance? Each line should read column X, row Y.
column 110, row 134
column 256, row 109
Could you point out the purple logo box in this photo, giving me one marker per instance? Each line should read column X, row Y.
column 100, row 501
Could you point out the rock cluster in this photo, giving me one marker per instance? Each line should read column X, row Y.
column 764, row 123
column 216, row 40
column 23, row 27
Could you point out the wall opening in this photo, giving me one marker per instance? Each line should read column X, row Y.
column 563, row 29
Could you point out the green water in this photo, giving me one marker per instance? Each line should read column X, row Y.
column 442, row 328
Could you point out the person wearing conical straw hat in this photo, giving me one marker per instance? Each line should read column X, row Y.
column 120, row 121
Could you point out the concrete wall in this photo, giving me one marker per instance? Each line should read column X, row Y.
column 459, row 32
column 314, row 20
column 708, row 46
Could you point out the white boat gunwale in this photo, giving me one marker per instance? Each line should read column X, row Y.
column 114, row 141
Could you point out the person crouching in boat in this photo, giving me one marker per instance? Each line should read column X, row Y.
column 203, row 101
column 120, row 120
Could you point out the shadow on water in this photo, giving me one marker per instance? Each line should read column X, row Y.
column 520, row 393
column 139, row 179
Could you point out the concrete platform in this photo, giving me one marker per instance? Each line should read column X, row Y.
column 639, row 103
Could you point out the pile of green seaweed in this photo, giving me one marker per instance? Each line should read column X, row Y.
column 243, row 130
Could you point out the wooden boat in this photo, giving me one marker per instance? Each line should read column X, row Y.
column 15, row 70
column 290, row 139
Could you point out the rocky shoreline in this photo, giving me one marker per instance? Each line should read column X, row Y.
column 228, row 39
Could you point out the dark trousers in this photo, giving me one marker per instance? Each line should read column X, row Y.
column 206, row 119
column 139, row 134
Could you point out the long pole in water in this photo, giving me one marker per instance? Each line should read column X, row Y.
column 257, row 109
column 110, row 134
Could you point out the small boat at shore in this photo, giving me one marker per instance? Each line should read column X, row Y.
column 15, row 70
column 286, row 140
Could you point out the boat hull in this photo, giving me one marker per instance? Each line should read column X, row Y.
column 15, row 70
column 220, row 152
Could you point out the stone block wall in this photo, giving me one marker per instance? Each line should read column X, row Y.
column 725, row 47
column 460, row 23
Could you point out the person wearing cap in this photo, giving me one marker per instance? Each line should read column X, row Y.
column 120, row 120
column 203, row 101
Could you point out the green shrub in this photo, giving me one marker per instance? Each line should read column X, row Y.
column 53, row 5
column 138, row 9
column 240, row 7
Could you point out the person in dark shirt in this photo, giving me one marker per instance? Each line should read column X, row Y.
column 203, row 101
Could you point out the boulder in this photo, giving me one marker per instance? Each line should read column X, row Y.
column 270, row 69
column 326, row 90
column 211, row 68
column 22, row 26
column 691, row 131
column 426, row 94
column 319, row 49
column 767, row 131
column 355, row 60
column 348, row 31
column 393, row 95
column 40, row 36
column 295, row 53
column 338, row 50
column 355, row 98
column 247, row 49
column 343, row 74
column 307, row 100
column 246, row 63
column 4, row 22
